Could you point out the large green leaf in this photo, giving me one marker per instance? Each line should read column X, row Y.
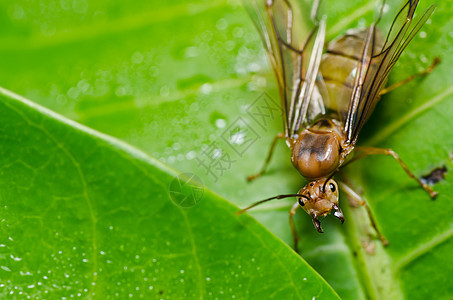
column 172, row 77
column 86, row 215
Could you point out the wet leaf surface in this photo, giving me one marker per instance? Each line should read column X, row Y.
column 184, row 82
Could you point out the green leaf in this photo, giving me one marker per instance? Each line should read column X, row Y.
column 174, row 78
column 86, row 215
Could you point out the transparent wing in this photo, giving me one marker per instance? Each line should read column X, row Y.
column 374, row 68
column 294, row 41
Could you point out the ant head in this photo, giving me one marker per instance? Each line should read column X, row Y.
column 318, row 198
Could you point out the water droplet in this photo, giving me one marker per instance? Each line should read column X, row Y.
column 423, row 58
column 120, row 91
column 254, row 67
column 5, row 268
column 229, row 45
column 238, row 138
column 217, row 153
column 83, row 85
column 221, row 24
column 206, row 88
column 73, row 93
column 220, row 123
column 137, row 58
column 15, row 258
column 238, row 32
column 190, row 155
column 191, row 52
column 48, row 29
column 80, row 6
column 18, row 12
column 164, row 91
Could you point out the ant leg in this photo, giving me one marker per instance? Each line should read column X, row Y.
column 372, row 151
column 292, row 212
column 355, row 200
column 315, row 11
column 268, row 159
column 428, row 70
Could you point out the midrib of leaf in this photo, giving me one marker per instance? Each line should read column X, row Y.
column 345, row 21
column 360, row 264
column 111, row 27
column 194, row 254
column 364, row 261
column 401, row 263
column 398, row 123
column 397, row 266
column 376, row 285
column 157, row 100
column 421, row 250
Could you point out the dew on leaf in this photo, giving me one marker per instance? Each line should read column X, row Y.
column 164, row 91
column 206, row 88
column 220, row 123
column 221, row 24
column 137, row 58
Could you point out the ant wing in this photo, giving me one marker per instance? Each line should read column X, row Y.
column 374, row 66
column 294, row 53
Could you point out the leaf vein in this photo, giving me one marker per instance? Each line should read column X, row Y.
column 423, row 249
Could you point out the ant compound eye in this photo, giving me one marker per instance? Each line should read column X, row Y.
column 333, row 188
column 301, row 202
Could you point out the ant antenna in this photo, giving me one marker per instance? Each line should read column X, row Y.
column 325, row 182
column 269, row 199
